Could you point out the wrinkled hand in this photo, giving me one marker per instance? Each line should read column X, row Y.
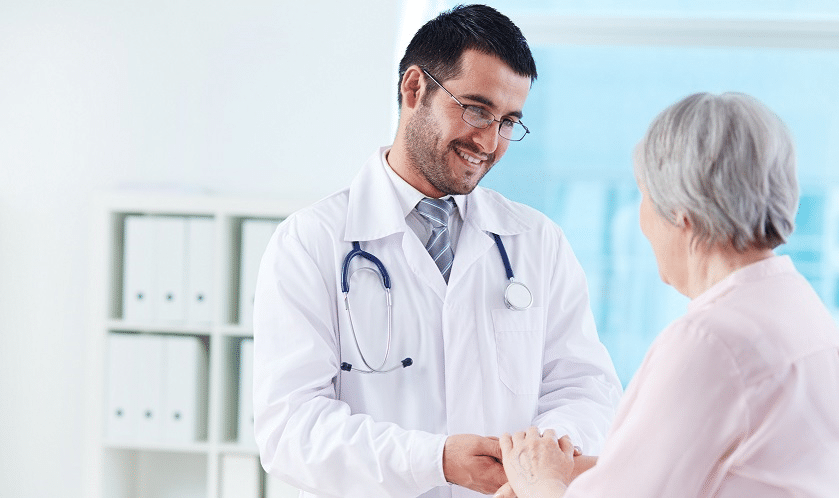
column 473, row 462
column 536, row 465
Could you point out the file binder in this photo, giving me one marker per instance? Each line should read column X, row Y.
column 200, row 294
column 255, row 237
column 184, row 386
column 147, row 386
column 138, row 269
column 246, row 427
column 154, row 278
column 122, row 416
column 170, row 266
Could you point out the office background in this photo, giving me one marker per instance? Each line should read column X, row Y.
column 287, row 99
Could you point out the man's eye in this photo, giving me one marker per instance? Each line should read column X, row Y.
column 482, row 113
column 508, row 123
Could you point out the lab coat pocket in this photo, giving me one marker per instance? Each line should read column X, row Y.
column 519, row 340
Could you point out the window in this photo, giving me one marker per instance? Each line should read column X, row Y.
column 606, row 68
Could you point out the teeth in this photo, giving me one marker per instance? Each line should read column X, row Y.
column 471, row 159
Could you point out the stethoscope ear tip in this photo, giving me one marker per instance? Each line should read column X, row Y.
column 407, row 362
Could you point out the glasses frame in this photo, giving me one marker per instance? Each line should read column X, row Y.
column 481, row 110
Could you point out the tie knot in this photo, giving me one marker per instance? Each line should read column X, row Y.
column 436, row 211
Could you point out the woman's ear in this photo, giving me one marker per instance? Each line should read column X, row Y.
column 682, row 220
column 412, row 87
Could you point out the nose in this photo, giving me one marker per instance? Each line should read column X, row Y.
column 487, row 138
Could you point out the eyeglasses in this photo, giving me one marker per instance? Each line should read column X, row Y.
column 481, row 118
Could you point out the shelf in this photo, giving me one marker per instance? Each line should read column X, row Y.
column 238, row 449
column 136, row 468
column 158, row 328
column 235, row 331
column 201, row 448
column 176, row 328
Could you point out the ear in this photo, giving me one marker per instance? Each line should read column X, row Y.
column 412, row 87
column 682, row 220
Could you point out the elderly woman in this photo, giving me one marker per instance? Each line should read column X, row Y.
column 740, row 396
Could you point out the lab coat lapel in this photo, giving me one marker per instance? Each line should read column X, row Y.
column 486, row 212
column 373, row 210
column 423, row 266
column 471, row 246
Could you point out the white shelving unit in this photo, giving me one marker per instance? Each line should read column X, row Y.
column 180, row 470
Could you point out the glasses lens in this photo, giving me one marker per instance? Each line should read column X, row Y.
column 481, row 118
column 477, row 117
column 512, row 130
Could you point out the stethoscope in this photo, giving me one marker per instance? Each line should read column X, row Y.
column 516, row 297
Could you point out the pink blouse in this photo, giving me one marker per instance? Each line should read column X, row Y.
column 737, row 398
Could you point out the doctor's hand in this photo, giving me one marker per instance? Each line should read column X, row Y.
column 535, row 464
column 473, row 462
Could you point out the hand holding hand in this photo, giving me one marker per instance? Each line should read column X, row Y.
column 535, row 464
column 473, row 462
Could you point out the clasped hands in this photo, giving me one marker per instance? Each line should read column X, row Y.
column 526, row 463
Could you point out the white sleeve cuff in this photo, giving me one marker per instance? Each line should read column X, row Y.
column 427, row 462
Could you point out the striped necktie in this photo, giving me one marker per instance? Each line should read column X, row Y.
column 439, row 246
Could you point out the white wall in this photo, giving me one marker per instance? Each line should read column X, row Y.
column 227, row 96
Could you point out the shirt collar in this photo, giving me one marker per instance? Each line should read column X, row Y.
column 754, row 272
column 377, row 190
column 408, row 196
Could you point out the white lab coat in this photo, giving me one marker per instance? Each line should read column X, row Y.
column 478, row 367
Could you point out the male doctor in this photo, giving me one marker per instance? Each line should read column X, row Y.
column 340, row 410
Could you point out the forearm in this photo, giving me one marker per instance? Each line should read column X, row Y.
column 580, row 389
column 583, row 463
column 580, row 404
column 305, row 433
column 375, row 459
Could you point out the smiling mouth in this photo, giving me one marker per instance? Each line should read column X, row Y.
column 470, row 158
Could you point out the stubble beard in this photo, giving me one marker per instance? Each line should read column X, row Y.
column 428, row 158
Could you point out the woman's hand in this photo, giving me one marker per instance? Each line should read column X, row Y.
column 536, row 466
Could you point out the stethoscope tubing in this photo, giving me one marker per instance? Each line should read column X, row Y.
column 345, row 267
column 513, row 288
column 504, row 259
column 389, row 305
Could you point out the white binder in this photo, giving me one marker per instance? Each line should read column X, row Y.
column 123, row 410
column 255, row 237
column 138, row 269
column 184, row 384
column 170, row 266
column 245, row 433
column 240, row 476
column 148, row 386
column 199, row 249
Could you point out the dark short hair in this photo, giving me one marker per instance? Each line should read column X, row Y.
column 439, row 44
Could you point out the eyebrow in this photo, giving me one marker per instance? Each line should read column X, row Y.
column 487, row 102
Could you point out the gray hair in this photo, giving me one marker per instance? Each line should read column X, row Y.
column 727, row 163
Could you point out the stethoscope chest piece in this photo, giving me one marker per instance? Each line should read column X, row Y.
column 517, row 296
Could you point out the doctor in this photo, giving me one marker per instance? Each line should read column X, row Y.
column 404, row 393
